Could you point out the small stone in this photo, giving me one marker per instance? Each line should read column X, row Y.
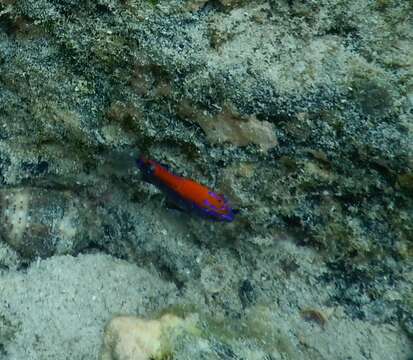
column 133, row 338
column 43, row 222
column 230, row 127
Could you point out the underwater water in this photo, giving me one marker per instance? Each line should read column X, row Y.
column 193, row 179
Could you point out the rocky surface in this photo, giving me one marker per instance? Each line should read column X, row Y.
column 131, row 337
column 59, row 307
column 299, row 111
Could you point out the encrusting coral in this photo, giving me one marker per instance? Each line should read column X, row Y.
column 133, row 338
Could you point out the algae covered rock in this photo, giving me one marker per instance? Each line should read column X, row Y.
column 132, row 338
column 322, row 107
column 194, row 335
column 40, row 222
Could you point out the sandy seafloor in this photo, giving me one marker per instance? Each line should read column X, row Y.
column 57, row 309
column 300, row 112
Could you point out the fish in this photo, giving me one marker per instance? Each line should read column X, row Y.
column 187, row 194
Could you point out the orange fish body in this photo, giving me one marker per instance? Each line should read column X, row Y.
column 186, row 193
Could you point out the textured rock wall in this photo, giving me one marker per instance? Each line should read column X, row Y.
column 300, row 112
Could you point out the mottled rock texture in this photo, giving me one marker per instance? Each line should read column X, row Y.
column 299, row 111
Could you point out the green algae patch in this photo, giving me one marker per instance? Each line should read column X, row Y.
column 406, row 182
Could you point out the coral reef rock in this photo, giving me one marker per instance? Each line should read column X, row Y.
column 40, row 222
column 133, row 338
